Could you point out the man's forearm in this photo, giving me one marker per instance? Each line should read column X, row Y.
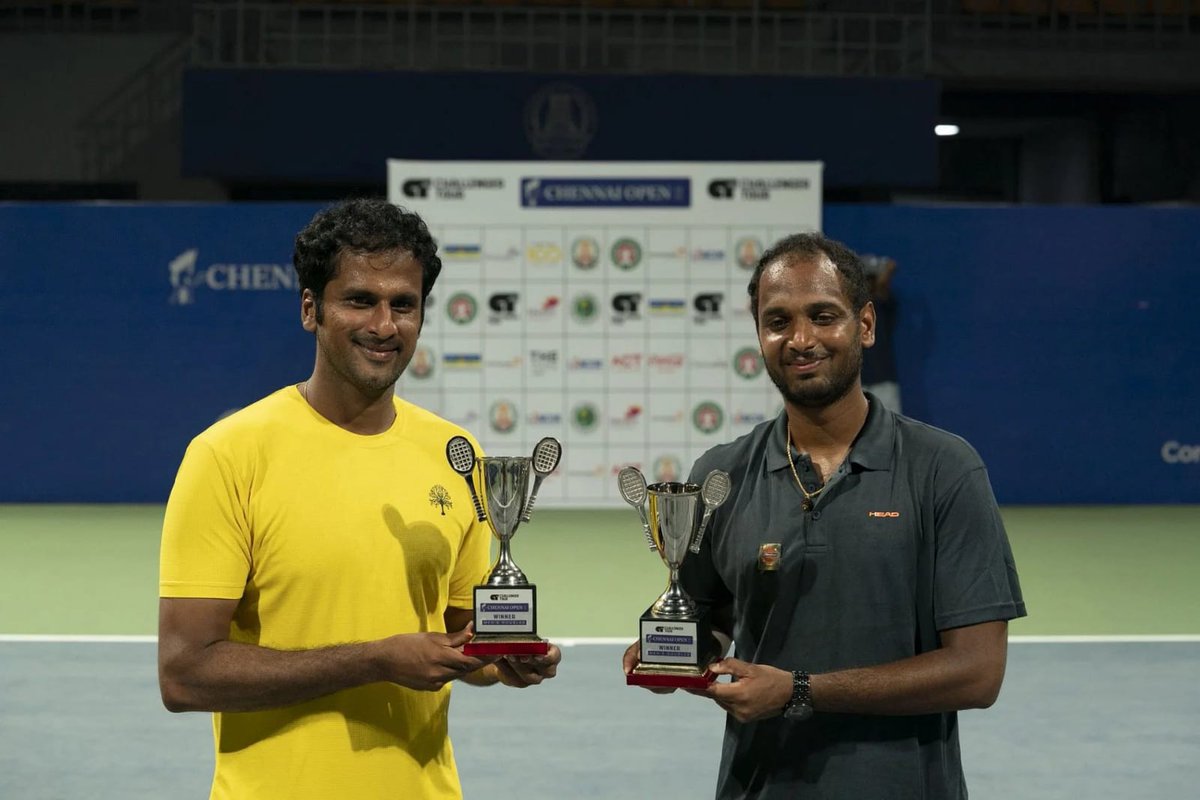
column 966, row 672
column 233, row 676
column 924, row 684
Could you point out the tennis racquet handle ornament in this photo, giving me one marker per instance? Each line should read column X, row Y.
column 506, row 602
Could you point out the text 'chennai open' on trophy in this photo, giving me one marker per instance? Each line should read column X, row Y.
column 506, row 603
column 677, row 645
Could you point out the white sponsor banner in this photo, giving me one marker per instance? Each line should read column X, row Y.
column 603, row 304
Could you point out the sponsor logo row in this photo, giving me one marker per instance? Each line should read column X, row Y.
column 746, row 363
column 504, row 307
column 707, row 417
column 603, row 192
column 587, row 253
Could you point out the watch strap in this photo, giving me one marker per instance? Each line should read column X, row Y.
column 801, row 690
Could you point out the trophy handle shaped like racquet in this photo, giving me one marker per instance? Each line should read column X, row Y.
column 505, row 604
column 677, row 645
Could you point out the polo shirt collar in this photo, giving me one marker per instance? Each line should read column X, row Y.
column 871, row 450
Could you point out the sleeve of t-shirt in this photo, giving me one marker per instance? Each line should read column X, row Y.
column 471, row 565
column 205, row 539
column 975, row 578
column 470, row 568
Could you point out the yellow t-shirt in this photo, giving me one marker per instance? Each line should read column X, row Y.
column 327, row 537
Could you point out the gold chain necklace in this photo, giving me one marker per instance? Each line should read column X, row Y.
column 807, row 505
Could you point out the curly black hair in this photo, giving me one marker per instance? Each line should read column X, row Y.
column 814, row 245
column 362, row 225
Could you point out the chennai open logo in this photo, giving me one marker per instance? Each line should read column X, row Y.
column 462, row 308
column 187, row 276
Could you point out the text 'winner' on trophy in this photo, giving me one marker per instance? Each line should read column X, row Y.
column 506, row 603
column 677, row 645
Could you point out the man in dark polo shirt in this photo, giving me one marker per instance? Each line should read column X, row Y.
column 860, row 566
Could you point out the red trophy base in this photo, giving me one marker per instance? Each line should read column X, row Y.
column 663, row 675
column 483, row 645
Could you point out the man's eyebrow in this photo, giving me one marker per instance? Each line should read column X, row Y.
column 816, row 305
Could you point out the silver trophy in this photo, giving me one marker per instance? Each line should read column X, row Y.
column 676, row 640
column 506, row 603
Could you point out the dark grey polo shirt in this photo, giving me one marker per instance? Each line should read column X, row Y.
column 905, row 540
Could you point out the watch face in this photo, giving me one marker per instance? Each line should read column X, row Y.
column 798, row 711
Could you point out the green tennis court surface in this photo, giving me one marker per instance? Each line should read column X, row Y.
column 1099, row 570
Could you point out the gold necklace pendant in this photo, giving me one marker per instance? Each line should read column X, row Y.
column 808, row 502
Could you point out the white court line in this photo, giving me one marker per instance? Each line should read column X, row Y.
column 85, row 638
column 1164, row 637
column 576, row 641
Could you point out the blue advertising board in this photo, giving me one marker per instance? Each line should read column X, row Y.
column 130, row 328
column 1061, row 342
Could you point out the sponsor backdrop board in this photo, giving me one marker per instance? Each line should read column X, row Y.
column 603, row 304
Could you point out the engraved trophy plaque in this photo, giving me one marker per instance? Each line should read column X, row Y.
column 506, row 602
column 676, row 639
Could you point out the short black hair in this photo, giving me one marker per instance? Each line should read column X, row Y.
column 361, row 225
column 814, row 245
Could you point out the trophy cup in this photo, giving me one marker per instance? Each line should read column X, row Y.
column 676, row 639
column 506, row 603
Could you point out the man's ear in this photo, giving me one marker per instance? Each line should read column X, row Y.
column 866, row 324
column 308, row 310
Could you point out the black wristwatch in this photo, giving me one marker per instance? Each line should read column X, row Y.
column 799, row 708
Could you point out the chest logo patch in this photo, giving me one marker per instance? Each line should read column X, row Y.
column 883, row 513
column 768, row 556
column 438, row 496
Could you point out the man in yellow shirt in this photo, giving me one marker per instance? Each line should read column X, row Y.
column 319, row 553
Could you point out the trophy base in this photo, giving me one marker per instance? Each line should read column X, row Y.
column 664, row 675
column 675, row 652
column 483, row 645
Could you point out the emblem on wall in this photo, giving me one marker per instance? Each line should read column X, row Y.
column 560, row 121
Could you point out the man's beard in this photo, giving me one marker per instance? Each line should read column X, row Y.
column 812, row 393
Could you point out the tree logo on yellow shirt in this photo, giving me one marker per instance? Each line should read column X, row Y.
column 438, row 496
